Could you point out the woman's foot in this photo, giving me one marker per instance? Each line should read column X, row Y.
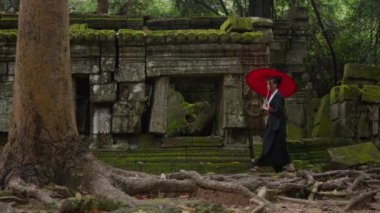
column 291, row 168
column 256, row 169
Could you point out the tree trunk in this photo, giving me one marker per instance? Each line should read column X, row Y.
column 42, row 142
column 260, row 8
column 102, row 6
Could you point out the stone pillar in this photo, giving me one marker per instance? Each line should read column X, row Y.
column 158, row 116
column 234, row 122
column 7, row 61
column 288, row 52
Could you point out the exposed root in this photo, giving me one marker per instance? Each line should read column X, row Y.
column 18, row 186
column 226, row 187
column 360, row 198
column 296, row 200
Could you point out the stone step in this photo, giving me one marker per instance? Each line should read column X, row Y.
column 192, row 142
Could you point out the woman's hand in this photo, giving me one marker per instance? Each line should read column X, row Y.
column 265, row 107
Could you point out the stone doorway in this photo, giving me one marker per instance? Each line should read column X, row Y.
column 81, row 86
column 192, row 106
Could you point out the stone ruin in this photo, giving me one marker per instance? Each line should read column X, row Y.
column 131, row 76
column 351, row 110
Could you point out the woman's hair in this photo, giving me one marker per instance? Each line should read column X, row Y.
column 275, row 80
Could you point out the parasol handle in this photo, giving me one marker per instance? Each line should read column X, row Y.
column 266, row 98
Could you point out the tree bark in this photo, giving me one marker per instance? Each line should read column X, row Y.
column 43, row 140
column 102, row 6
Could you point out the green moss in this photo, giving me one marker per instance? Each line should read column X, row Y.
column 250, row 37
column 371, row 94
column 156, row 37
column 354, row 154
column 344, row 93
column 353, row 72
column 237, row 24
column 322, row 122
column 8, row 35
column 147, row 141
column 131, row 36
column 235, row 37
column 81, row 33
column 107, row 35
column 294, row 132
column 87, row 204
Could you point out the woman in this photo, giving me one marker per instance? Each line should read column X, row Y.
column 275, row 152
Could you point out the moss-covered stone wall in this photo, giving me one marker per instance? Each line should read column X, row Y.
column 123, row 58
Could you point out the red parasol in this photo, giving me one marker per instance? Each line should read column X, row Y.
column 257, row 81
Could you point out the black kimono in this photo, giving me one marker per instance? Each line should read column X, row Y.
column 275, row 151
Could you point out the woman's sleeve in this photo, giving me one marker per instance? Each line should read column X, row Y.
column 276, row 108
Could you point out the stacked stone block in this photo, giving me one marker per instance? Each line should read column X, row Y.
column 354, row 109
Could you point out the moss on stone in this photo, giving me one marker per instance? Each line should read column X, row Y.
column 237, row 24
column 357, row 154
column 353, row 72
column 235, row 37
column 81, row 33
column 322, row 122
column 8, row 35
column 131, row 36
column 250, row 37
column 344, row 93
column 371, row 94
column 107, row 35
column 294, row 132
column 87, row 204
column 156, row 37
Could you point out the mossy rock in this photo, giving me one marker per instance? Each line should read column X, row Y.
column 322, row 122
column 294, row 132
column 187, row 118
column 87, row 204
column 237, row 24
column 131, row 37
column 358, row 154
column 353, row 72
column 250, row 37
column 371, row 94
column 342, row 93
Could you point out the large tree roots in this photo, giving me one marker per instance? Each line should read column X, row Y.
column 341, row 190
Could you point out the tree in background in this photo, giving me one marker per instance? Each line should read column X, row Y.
column 102, row 6
column 261, row 8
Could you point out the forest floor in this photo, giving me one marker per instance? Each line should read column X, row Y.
column 301, row 191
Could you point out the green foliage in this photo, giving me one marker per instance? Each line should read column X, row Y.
column 354, row 29
column 130, row 8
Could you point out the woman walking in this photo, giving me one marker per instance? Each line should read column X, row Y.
column 275, row 151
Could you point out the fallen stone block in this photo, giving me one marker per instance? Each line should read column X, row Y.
column 358, row 154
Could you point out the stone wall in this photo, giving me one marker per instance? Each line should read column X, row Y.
column 129, row 71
